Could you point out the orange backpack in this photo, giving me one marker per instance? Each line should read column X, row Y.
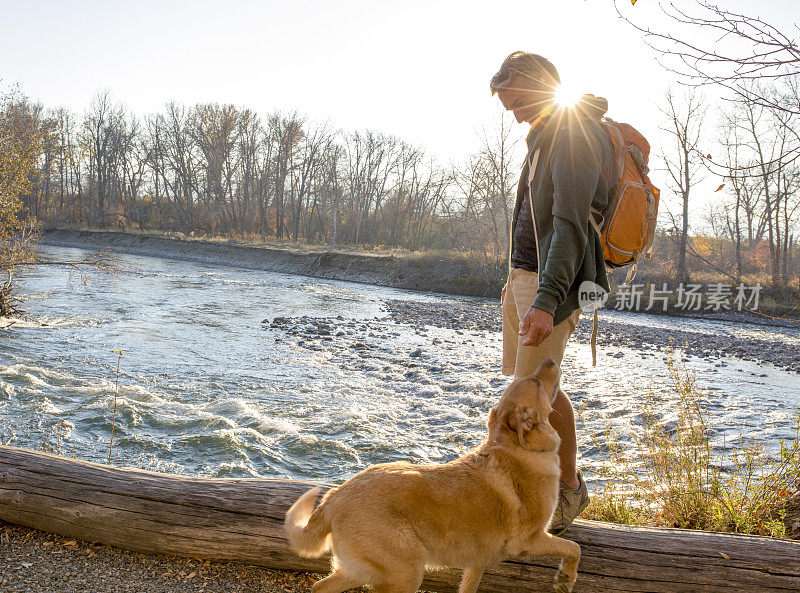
column 629, row 230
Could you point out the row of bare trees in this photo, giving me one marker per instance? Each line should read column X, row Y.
column 225, row 170
column 228, row 171
column 757, row 200
column 764, row 178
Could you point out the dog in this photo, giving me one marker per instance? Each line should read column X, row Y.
column 390, row 522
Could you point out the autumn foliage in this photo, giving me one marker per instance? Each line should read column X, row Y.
column 20, row 150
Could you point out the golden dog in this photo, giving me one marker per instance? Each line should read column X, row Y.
column 388, row 523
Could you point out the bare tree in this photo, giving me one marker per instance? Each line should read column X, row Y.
column 479, row 209
column 770, row 159
column 178, row 163
column 286, row 132
column 370, row 160
column 69, row 205
column 309, row 160
column 497, row 152
column 755, row 61
column 331, row 186
column 741, row 186
column 683, row 162
column 710, row 44
column 97, row 138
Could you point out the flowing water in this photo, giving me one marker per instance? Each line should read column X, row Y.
column 204, row 387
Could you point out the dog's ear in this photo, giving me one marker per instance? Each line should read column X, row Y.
column 495, row 423
column 500, row 419
column 522, row 421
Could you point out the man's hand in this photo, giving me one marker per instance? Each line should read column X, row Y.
column 502, row 295
column 539, row 323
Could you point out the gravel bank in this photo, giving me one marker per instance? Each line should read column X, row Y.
column 36, row 562
column 611, row 333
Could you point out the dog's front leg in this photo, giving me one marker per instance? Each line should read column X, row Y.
column 336, row 582
column 470, row 579
column 551, row 546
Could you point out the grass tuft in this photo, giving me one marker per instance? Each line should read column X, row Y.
column 679, row 479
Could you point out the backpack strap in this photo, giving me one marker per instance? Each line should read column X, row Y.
column 594, row 216
column 619, row 147
column 532, row 160
column 594, row 339
column 651, row 224
column 631, row 271
column 598, row 220
column 532, row 163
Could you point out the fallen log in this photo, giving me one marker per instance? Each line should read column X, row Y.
column 241, row 520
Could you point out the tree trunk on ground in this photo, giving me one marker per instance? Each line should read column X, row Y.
column 241, row 520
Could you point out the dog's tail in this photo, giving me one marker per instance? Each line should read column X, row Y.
column 307, row 530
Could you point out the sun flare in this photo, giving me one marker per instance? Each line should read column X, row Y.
column 567, row 96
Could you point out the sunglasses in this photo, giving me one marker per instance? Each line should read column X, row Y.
column 502, row 81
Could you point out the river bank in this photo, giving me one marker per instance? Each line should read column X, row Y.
column 427, row 272
column 445, row 273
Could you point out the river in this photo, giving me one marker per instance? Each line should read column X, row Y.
column 211, row 383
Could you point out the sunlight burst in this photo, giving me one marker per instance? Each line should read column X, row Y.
column 567, row 96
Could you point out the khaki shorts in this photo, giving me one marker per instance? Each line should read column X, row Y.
column 519, row 360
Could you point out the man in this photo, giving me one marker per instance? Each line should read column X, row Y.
column 570, row 168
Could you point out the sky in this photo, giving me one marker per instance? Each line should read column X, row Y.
column 417, row 69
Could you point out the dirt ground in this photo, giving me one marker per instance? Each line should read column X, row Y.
column 36, row 562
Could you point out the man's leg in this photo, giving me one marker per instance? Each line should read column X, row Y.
column 573, row 494
column 563, row 420
column 510, row 326
column 563, row 417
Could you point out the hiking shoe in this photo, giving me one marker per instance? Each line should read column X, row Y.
column 571, row 503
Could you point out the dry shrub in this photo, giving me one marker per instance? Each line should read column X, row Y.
column 678, row 478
